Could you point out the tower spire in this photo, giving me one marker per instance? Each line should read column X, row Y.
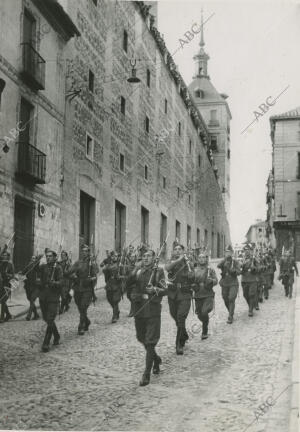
column 202, row 43
column 201, row 59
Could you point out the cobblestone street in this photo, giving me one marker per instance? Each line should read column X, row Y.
column 91, row 382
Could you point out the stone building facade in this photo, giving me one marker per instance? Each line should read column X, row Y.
column 125, row 162
column 284, row 185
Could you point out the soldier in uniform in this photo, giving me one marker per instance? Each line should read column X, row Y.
column 287, row 266
column 7, row 273
column 31, row 286
column 113, row 285
column 84, row 274
column 148, row 288
column 230, row 269
column 50, row 278
column 181, row 274
column 250, row 269
column 66, row 297
column 205, row 280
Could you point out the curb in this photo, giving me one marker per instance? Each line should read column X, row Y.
column 294, row 407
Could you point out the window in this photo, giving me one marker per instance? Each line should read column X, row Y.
column 213, row 115
column 214, row 143
column 122, row 162
column 144, row 225
column 89, row 147
column 125, row 41
column 189, row 198
column 206, row 238
column 29, row 28
column 179, row 128
column 177, row 230
column 178, row 192
column 188, row 235
column 190, row 146
column 166, row 106
column 91, row 81
column 147, row 124
column 199, row 160
column 123, row 105
column 228, row 154
column 146, row 172
column 164, row 182
column 298, row 170
column 148, row 78
column 2, row 85
column 199, row 93
column 198, row 236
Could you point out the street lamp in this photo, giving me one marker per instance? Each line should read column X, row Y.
column 133, row 79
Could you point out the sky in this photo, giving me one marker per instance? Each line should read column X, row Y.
column 254, row 50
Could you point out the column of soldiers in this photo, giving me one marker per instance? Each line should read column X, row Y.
column 187, row 280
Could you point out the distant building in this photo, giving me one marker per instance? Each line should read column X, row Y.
column 216, row 113
column 283, row 194
column 257, row 233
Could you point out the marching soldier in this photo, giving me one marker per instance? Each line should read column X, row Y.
column 181, row 274
column 113, row 285
column 260, row 278
column 287, row 266
column 205, row 280
column 66, row 297
column 31, row 286
column 148, row 289
column 50, row 278
column 132, row 264
column 7, row 273
column 250, row 269
column 230, row 269
column 84, row 274
column 267, row 275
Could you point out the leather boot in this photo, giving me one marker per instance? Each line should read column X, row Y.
column 46, row 343
column 156, row 363
column 7, row 314
column 286, row 288
column 35, row 314
column 131, row 310
column 56, row 335
column 231, row 307
column 87, row 324
column 291, row 291
column 28, row 316
column 81, row 326
column 115, row 315
column 149, row 362
column 179, row 345
column 204, row 330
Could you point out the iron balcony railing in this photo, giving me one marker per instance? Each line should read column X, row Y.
column 33, row 67
column 31, row 163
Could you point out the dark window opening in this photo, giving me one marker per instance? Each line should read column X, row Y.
column 190, row 146
column 148, row 78
column 91, row 81
column 179, row 128
column 146, row 172
column 147, row 124
column 164, row 182
column 166, row 106
column 122, row 162
column 177, row 230
column 144, row 225
column 123, row 105
column 125, row 41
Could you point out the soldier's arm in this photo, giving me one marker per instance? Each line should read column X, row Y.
column 172, row 263
column 213, row 277
column 58, row 277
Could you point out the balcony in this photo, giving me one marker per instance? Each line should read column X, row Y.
column 33, row 67
column 31, row 163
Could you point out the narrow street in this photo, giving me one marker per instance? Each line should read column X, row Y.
column 91, row 382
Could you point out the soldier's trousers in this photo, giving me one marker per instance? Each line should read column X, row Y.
column 148, row 333
column 114, row 298
column 250, row 294
column 203, row 307
column 179, row 310
column 83, row 300
column 229, row 294
column 32, row 295
column 49, row 312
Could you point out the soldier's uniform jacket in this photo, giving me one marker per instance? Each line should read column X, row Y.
column 82, row 269
column 31, row 282
column 250, row 270
column 287, row 267
column 204, row 281
column 65, row 266
column 112, row 278
column 139, row 280
column 181, row 286
column 51, row 276
column 230, row 269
